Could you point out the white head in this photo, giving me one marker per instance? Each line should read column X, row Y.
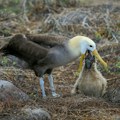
column 86, row 44
column 80, row 45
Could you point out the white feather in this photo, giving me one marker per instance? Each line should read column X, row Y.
column 80, row 44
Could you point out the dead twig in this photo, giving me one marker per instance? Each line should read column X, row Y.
column 84, row 24
column 11, row 17
column 24, row 11
column 113, row 35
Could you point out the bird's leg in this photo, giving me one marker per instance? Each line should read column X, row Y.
column 54, row 94
column 75, row 87
column 42, row 87
column 74, row 90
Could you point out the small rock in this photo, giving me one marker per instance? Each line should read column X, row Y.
column 116, row 117
column 113, row 95
column 14, row 61
column 35, row 114
column 9, row 92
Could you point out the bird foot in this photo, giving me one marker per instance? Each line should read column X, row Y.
column 73, row 92
column 77, row 74
column 55, row 95
column 44, row 97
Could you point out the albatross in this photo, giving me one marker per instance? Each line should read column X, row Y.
column 90, row 81
column 43, row 60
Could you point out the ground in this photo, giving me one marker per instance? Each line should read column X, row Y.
column 100, row 22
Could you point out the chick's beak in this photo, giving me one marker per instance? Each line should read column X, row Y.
column 96, row 54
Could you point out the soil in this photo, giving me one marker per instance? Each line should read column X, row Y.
column 103, row 26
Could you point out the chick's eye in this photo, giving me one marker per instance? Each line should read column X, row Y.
column 90, row 45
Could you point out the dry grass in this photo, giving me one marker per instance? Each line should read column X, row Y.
column 98, row 22
column 78, row 107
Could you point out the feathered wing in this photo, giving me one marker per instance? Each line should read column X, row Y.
column 20, row 47
column 48, row 41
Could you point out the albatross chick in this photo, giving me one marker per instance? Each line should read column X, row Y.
column 90, row 82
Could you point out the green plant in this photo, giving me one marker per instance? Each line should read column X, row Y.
column 10, row 7
column 118, row 64
column 4, row 61
column 7, row 62
column 98, row 36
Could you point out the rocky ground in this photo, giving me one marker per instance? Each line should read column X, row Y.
column 100, row 22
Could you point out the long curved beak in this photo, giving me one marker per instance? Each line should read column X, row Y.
column 81, row 62
column 96, row 54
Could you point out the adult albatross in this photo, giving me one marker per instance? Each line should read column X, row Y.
column 42, row 60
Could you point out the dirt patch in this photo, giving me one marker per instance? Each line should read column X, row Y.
column 66, row 107
column 101, row 23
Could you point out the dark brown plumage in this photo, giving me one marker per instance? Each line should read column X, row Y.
column 40, row 52
column 48, row 41
column 20, row 47
column 43, row 53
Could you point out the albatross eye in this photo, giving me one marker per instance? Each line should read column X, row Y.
column 90, row 45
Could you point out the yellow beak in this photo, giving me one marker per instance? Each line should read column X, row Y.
column 96, row 55
column 81, row 62
column 99, row 58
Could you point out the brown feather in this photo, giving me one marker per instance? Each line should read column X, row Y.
column 47, row 40
column 39, row 58
column 20, row 47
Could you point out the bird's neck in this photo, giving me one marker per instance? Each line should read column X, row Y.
column 74, row 47
column 93, row 67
